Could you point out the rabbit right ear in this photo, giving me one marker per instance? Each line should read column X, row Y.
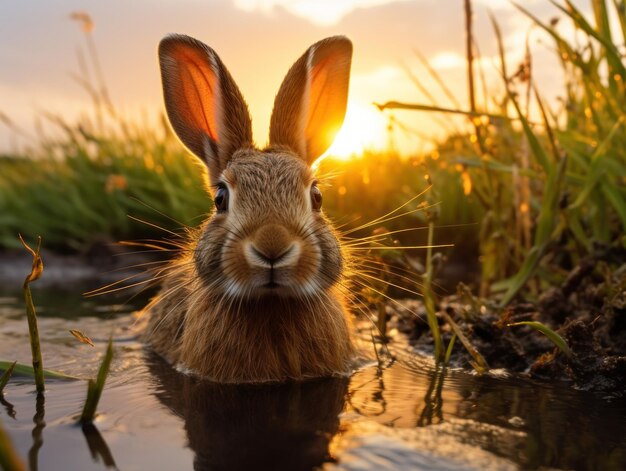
column 311, row 104
column 203, row 103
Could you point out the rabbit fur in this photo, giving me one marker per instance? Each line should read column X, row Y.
column 256, row 295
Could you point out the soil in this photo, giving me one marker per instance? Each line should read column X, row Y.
column 588, row 310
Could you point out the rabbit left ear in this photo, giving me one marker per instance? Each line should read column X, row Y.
column 311, row 104
column 203, row 103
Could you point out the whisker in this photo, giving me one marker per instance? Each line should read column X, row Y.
column 380, row 221
column 183, row 225
column 139, row 265
column 403, row 247
column 382, row 218
column 156, row 226
column 139, row 283
column 390, row 284
column 364, row 285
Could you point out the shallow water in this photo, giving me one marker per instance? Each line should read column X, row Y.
column 401, row 417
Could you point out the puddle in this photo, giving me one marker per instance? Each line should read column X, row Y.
column 402, row 417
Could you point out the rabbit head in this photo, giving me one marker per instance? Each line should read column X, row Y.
column 267, row 235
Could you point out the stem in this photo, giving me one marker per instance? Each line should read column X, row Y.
column 31, row 314
column 429, row 302
column 35, row 346
column 470, row 54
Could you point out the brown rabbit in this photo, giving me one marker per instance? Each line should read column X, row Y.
column 255, row 297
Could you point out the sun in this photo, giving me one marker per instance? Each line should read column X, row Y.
column 364, row 128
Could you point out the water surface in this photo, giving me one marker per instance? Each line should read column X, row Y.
column 405, row 416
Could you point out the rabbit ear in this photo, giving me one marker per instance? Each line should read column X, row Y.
column 203, row 103
column 311, row 103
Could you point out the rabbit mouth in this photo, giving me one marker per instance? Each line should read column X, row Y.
column 271, row 285
column 275, row 282
column 282, row 283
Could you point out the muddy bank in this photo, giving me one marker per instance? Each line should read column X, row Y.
column 588, row 310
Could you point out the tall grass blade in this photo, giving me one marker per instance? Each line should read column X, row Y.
column 598, row 169
column 612, row 54
column 94, row 388
column 533, row 141
column 562, row 44
column 555, row 338
column 479, row 363
column 446, row 360
column 438, row 109
column 429, row 302
column 548, row 214
column 33, row 330
column 500, row 42
column 6, row 376
column 22, row 370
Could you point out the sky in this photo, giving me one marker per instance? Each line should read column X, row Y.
column 258, row 40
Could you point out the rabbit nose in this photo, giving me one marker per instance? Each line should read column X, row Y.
column 272, row 260
column 272, row 246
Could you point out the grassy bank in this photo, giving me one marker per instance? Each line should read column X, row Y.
column 85, row 186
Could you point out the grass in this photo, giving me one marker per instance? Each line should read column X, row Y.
column 23, row 370
column 81, row 188
column 553, row 187
column 555, row 338
column 94, row 388
column 31, row 315
column 6, row 376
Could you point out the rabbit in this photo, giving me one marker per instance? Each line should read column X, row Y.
column 255, row 296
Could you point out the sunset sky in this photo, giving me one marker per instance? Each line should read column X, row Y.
column 258, row 40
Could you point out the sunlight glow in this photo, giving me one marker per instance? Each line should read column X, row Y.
column 447, row 60
column 364, row 128
column 320, row 12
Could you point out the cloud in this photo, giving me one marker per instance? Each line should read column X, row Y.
column 319, row 12
column 448, row 60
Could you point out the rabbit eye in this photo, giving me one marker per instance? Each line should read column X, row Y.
column 316, row 197
column 221, row 199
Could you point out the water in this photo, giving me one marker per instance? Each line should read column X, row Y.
column 400, row 417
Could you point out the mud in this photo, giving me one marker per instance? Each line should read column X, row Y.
column 588, row 310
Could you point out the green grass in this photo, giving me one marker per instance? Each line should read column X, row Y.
column 27, row 371
column 31, row 315
column 549, row 190
column 6, row 376
column 94, row 388
column 81, row 187
column 555, row 338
